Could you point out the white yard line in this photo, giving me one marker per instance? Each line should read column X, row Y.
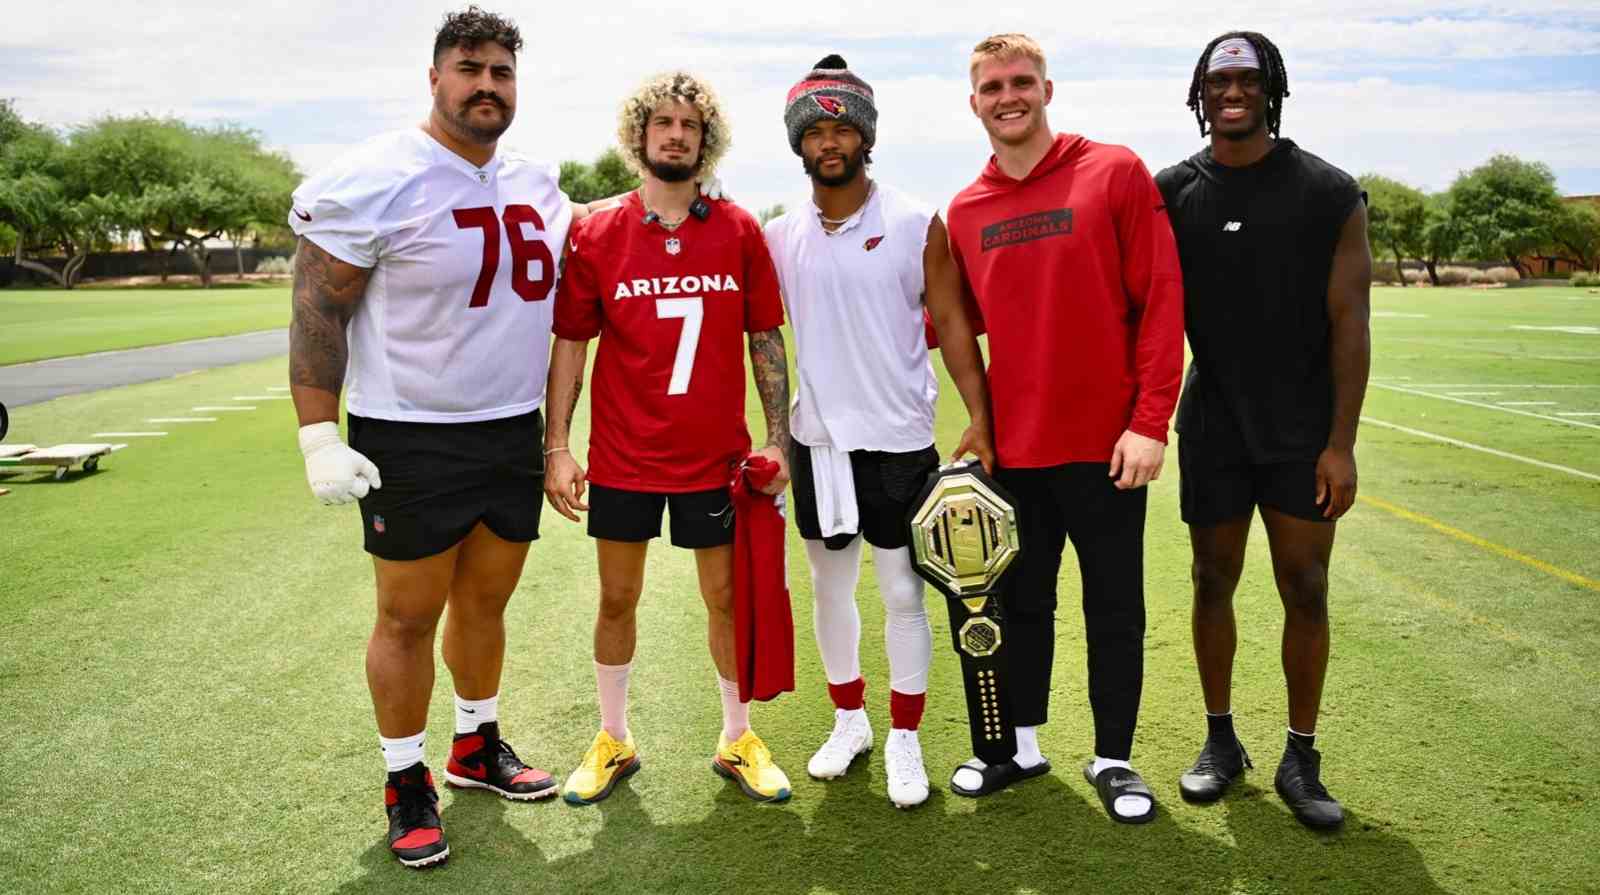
column 1478, row 447
column 1473, row 394
column 262, row 398
column 1537, row 416
column 277, row 388
column 1526, row 403
column 1497, row 384
column 231, row 408
column 182, row 419
column 1577, row 413
column 127, row 435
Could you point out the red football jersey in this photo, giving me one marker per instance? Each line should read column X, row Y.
column 671, row 309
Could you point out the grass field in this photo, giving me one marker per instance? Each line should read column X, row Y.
column 40, row 323
column 181, row 643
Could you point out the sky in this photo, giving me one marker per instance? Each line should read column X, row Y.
column 1419, row 91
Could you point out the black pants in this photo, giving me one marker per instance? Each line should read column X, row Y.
column 1077, row 501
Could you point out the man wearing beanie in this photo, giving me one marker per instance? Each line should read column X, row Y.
column 673, row 285
column 858, row 265
column 1276, row 272
column 1066, row 247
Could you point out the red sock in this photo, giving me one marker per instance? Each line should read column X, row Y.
column 905, row 709
column 849, row 696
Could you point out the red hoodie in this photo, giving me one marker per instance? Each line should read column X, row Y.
column 1076, row 276
column 763, row 622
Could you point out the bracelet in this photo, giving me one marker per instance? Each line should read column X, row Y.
column 556, row 450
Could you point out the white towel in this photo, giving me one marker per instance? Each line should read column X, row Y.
column 836, row 491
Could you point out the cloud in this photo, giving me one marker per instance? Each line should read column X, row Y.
column 315, row 78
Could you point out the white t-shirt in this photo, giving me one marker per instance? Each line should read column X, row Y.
column 455, row 323
column 854, row 298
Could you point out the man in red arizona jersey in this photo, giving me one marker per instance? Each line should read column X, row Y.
column 670, row 283
column 1067, row 249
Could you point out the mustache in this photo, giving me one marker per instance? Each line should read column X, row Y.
column 484, row 95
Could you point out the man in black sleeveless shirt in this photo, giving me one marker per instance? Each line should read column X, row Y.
column 1276, row 271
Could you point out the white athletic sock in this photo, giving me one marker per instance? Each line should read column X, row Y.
column 472, row 712
column 1028, row 754
column 1125, row 806
column 611, row 681
column 835, row 618
column 735, row 714
column 907, row 638
column 402, row 752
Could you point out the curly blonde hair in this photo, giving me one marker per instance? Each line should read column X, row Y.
column 634, row 115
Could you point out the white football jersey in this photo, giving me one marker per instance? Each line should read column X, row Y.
column 455, row 323
column 854, row 297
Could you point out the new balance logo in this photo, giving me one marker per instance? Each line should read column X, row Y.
column 1233, row 226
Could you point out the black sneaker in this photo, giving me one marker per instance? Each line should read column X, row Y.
column 1220, row 763
column 1299, row 784
column 481, row 760
column 415, row 834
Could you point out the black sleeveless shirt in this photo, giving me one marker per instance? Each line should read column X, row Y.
column 1256, row 244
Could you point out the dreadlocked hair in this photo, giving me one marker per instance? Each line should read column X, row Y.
column 1275, row 79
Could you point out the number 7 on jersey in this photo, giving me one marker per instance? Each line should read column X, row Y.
column 691, row 311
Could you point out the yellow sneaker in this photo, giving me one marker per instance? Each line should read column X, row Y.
column 606, row 762
column 747, row 762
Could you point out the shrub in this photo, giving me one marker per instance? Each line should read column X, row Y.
column 1585, row 278
column 1383, row 272
column 1455, row 276
column 1502, row 275
column 278, row 267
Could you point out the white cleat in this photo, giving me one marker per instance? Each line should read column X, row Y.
column 902, row 760
column 852, row 736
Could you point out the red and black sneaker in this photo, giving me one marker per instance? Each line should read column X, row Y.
column 415, row 834
column 481, row 760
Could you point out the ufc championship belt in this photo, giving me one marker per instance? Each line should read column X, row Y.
column 963, row 536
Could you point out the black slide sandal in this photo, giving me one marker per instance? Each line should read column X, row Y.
column 998, row 776
column 1114, row 783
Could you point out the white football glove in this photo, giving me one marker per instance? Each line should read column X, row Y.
column 712, row 189
column 337, row 473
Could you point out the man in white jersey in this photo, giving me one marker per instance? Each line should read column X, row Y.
column 426, row 273
column 857, row 267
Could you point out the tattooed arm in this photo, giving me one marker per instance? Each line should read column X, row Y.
column 563, row 476
column 771, row 369
column 326, row 291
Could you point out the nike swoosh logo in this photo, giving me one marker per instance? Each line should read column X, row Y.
column 302, row 215
column 475, row 773
column 470, row 711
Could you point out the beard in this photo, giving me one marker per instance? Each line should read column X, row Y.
column 669, row 172
column 478, row 133
column 1254, row 124
column 853, row 164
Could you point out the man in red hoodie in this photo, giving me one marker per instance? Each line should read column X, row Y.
column 1067, row 250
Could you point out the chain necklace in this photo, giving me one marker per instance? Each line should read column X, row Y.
column 872, row 187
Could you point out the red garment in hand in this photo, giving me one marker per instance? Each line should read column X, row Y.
column 763, row 623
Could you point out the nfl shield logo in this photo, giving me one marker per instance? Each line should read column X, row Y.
column 377, row 524
column 673, row 245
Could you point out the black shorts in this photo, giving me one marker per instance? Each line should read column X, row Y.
column 700, row 519
column 1217, row 485
column 441, row 479
column 886, row 484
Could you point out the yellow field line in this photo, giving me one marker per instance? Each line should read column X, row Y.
column 1492, row 547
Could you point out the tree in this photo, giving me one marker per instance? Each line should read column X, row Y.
column 1506, row 208
column 46, row 207
column 1577, row 232
column 608, row 176
column 182, row 185
column 767, row 214
column 1441, row 234
column 1396, row 214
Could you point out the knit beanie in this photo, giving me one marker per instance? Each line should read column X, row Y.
column 830, row 90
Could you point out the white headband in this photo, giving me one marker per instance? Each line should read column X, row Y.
column 1235, row 52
